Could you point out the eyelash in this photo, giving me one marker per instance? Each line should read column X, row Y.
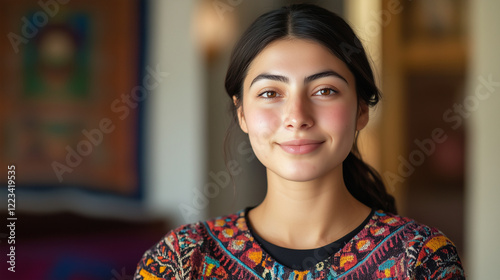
column 266, row 92
column 332, row 92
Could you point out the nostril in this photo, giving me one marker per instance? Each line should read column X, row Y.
column 298, row 115
column 299, row 124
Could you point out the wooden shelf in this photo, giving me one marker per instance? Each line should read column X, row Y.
column 436, row 56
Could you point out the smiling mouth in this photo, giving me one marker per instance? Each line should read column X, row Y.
column 300, row 147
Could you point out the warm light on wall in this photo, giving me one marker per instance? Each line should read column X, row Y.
column 214, row 28
column 364, row 17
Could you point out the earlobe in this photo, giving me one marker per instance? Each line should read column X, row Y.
column 241, row 116
column 363, row 116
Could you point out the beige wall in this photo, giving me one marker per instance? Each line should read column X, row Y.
column 483, row 188
column 175, row 113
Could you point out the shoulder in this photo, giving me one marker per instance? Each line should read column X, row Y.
column 390, row 223
column 429, row 253
column 166, row 258
column 413, row 233
column 180, row 251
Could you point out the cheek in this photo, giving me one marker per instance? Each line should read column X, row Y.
column 341, row 119
column 262, row 123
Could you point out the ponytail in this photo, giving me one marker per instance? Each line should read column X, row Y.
column 365, row 183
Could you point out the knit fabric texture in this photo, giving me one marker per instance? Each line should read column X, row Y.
column 388, row 247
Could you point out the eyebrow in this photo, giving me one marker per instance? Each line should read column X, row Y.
column 308, row 79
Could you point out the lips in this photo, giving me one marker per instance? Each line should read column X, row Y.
column 300, row 147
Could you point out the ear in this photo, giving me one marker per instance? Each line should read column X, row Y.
column 241, row 117
column 363, row 116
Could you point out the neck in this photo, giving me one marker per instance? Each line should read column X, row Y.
column 307, row 215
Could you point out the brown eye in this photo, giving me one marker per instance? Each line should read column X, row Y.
column 325, row 92
column 269, row 94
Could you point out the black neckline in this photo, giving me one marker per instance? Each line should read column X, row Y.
column 304, row 259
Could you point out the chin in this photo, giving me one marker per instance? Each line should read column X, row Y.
column 299, row 175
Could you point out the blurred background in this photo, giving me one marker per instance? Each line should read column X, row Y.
column 114, row 115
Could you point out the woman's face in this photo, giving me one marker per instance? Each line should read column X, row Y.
column 300, row 109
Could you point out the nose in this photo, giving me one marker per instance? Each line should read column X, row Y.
column 297, row 114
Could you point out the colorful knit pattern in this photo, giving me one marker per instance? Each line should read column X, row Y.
column 388, row 247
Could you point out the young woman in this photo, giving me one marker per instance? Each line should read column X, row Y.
column 301, row 86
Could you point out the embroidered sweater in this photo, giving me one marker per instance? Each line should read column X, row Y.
column 388, row 247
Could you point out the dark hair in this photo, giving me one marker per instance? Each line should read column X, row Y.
column 305, row 21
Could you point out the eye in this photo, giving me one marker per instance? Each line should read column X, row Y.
column 269, row 94
column 325, row 92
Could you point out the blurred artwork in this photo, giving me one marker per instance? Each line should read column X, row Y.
column 56, row 84
column 63, row 65
column 56, row 61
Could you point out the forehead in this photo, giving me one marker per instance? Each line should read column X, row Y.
column 296, row 59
